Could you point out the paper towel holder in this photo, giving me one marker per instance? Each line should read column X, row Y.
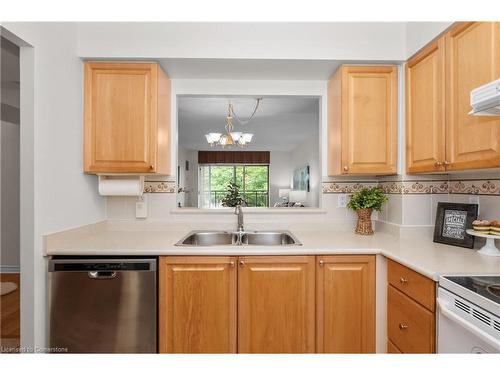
column 121, row 185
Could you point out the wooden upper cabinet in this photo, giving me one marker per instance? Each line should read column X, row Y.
column 127, row 118
column 425, row 109
column 472, row 60
column 197, row 308
column 276, row 304
column 363, row 120
column 345, row 304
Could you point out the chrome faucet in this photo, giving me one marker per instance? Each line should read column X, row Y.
column 238, row 211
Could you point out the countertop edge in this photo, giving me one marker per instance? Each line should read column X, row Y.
column 191, row 251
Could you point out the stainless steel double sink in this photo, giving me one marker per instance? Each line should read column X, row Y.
column 244, row 238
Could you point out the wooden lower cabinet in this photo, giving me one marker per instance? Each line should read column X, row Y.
column 267, row 304
column 410, row 326
column 411, row 306
column 276, row 304
column 197, row 305
column 413, row 284
column 345, row 300
column 392, row 349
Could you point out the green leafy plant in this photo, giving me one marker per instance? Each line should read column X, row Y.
column 372, row 198
column 233, row 197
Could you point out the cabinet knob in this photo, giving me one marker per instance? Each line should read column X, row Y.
column 151, row 167
column 446, row 163
column 231, row 264
column 403, row 326
column 242, row 263
column 346, row 168
column 438, row 163
column 403, row 281
column 321, row 263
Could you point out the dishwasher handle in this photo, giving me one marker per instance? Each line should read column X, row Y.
column 101, row 274
column 98, row 268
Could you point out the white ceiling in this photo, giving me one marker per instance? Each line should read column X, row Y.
column 280, row 123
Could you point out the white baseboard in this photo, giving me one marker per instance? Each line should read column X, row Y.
column 9, row 269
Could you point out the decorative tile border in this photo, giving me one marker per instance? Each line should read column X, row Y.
column 463, row 186
column 160, row 187
column 415, row 187
column 346, row 187
column 480, row 187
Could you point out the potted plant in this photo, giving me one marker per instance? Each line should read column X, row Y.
column 364, row 202
column 233, row 197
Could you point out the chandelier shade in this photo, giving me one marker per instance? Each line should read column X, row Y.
column 230, row 137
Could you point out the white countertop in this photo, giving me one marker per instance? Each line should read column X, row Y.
column 419, row 253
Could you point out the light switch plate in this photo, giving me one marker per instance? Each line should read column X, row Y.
column 474, row 199
column 141, row 207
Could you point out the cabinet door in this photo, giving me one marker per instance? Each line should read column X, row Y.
column 473, row 59
column 197, row 305
column 120, row 117
column 410, row 326
column 425, row 112
column 369, row 119
column 276, row 304
column 345, row 300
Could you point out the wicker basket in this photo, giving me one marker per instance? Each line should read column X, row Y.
column 364, row 225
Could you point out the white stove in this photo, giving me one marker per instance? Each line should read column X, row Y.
column 468, row 314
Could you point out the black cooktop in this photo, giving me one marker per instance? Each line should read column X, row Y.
column 486, row 286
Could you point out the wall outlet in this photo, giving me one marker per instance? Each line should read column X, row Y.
column 474, row 199
column 342, row 200
column 141, row 207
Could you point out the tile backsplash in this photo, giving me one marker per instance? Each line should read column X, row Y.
column 412, row 201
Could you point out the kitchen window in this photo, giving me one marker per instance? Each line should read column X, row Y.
column 252, row 180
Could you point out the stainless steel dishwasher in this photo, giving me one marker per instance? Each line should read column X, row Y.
column 103, row 305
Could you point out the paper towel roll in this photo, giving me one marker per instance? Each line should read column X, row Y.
column 121, row 186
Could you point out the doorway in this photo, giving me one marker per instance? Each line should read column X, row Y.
column 9, row 197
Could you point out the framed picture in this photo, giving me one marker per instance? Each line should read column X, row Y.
column 452, row 219
column 301, row 179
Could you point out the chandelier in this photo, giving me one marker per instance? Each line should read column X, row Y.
column 231, row 137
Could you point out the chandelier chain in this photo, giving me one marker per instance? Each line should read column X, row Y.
column 244, row 122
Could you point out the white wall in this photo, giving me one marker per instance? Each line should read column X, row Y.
column 418, row 34
column 192, row 177
column 307, row 154
column 188, row 179
column 280, row 174
column 335, row 41
column 57, row 192
column 181, row 177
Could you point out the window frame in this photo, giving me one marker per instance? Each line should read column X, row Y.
column 234, row 166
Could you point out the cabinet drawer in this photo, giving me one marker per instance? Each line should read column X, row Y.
column 413, row 284
column 392, row 349
column 409, row 325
